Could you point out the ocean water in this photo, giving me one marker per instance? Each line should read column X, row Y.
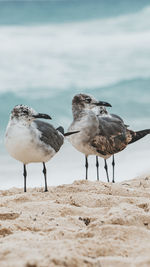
column 51, row 50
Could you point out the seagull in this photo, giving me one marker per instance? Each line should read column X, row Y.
column 30, row 140
column 86, row 121
column 102, row 136
column 102, row 112
column 135, row 136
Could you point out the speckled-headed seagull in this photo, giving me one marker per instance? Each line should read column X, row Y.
column 30, row 140
column 102, row 112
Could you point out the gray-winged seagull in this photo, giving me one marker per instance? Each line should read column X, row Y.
column 102, row 112
column 30, row 140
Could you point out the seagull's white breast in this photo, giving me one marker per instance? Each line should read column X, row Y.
column 23, row 143
column 88, row 127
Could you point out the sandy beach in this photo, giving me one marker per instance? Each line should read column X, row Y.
column 81, row 224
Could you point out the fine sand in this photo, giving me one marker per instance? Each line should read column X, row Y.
column 82, row 224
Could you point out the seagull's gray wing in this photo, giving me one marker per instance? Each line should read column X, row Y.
column 119, row 118
column 113, row 136
column 111, row 126
column 49, row 135
column 116, row 116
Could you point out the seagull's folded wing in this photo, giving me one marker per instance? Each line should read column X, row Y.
column 112, row 138
column 49, row 135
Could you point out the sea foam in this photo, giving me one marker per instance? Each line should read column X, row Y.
column 78, row 55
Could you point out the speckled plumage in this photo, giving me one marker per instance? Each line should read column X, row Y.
column 113, row 135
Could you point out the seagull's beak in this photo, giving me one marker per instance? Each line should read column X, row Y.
column 102, row 103
column 42, row 116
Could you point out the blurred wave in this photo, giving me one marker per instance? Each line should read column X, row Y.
column 130, row 99
column 74, row 55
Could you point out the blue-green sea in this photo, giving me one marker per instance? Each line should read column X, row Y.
column 52, row 50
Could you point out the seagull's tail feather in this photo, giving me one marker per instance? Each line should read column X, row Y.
column 70, row 133
column 61, row 130
column 138, row 135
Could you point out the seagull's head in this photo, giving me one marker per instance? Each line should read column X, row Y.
column 84, row 101
column 103, row 110
column 24, row 112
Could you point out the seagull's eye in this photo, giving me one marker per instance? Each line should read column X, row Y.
column 88, row 100
column 25, row 112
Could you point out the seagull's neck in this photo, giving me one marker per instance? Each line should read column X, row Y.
column 20, row 122
column 80, row 112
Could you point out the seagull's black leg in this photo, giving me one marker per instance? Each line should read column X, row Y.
column 97, row 166
column 44, row 171
column 25, row 177
column 86, row 166
column 113, row 164
column 106, row 168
